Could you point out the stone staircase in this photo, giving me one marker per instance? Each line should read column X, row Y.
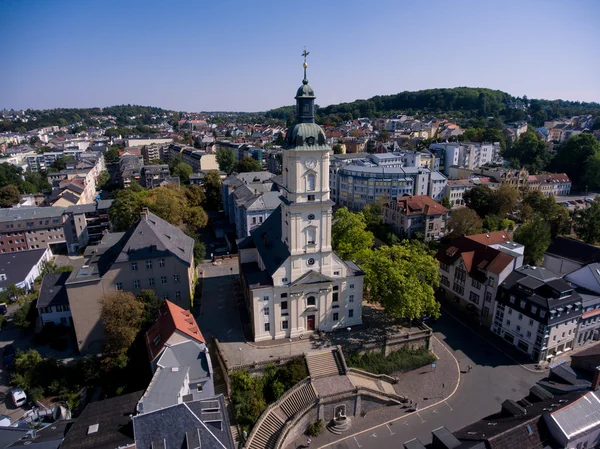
column 324, row 363
column 267, row 433
column 298, row 400
column 235, row 433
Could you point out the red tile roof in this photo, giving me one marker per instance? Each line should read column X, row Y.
column 171, row 318
column 491, row 238
column 420, row 205
column 476, row 256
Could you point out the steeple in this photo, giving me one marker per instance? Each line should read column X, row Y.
column 305, row 98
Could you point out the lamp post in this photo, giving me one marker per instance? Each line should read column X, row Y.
column 240, row 349
column 290, row 340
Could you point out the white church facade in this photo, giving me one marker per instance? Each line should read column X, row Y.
column 294, row 283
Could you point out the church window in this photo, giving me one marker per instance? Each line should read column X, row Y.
column 310, row 301
column 310, row 182
column 311, row 261
column 311, row 236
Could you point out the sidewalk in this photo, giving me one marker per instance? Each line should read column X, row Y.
column 422, row 385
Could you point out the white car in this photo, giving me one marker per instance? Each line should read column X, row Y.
column 18, row 396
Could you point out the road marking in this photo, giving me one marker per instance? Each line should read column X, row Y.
column 358, row 444
column 422, row 420
column 435, row 411
column 451, row 409
column 374, row 435
column 390, row 429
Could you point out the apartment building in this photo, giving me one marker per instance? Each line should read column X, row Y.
column 469, row 155
column 410, row 214
column 199, row 160
column 152, row 254
column 152, row 176
column 24, row 228
column 22, row 267
column 87, row 223
column 130, row 169
column 152, row 152
column 456, row 189
column 472, row 268
column 586, row 281
column 537, row 312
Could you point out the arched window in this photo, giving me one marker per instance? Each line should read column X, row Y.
column 311, row 236
column 310, row 301
column 310, row 182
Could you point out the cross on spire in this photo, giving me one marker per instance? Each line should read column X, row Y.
column 305, row 65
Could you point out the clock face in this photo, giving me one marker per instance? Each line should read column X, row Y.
column 311, row 162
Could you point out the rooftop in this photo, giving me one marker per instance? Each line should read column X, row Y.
column 15, row 266
column 29, row 212
column 574, row 250
column 420, row 205
column 53, row 291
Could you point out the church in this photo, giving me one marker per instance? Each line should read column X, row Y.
column 293, row 281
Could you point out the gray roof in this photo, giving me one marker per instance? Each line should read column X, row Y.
column 49, row 437
column 578, row 416
column 164, row 389
column 88, row 208
column 17, row 265
column 53, row 291
column 266, row 201
column 197, row 419
column 28, row 213
column 541, row 273
column 9, row 435
column 189, row 353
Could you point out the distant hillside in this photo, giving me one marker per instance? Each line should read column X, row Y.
column 466, row 102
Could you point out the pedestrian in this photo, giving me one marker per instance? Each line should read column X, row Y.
column 416, row 407
column 308, row 441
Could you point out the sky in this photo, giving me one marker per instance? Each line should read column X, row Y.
column 207, row 55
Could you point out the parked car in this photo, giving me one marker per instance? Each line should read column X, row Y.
column 9, row 356
column 3, row 308
column 18, row 396
column 589, row 200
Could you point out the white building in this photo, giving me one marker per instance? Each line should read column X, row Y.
column 468, row 155
column 293, row 281
column 53, row 303
column 22, row 267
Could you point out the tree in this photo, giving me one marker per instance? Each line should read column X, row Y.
column 446, row 203
column 196, row 217
column 112, row 155
column 103, row 179
column 337, row 149
column 402, row 279
column 573, row 155
column 535, row 236
column 350, row 236
column 183, row 171
column 212, row 188
column 10, row 175
column 195, row 195
column 590, row 179
column 556, row 215
column 480, row 199
column 151, row 303
column 464, row 221
column 505, row 199
column 125, row 209
column 248, row 164
column 24, row 318
column 373, row 214
column 9, row 195
column 169, row 203
column 121, row 314
column 586, row 222
column 226, row 160
column 61, row 162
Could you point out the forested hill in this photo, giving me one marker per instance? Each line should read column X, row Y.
column 467, row 102
column 63, row 117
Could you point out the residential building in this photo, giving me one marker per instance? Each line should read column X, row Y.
column 292, row 280
column 152, row 176
column 141, row 142
column 538, row 312
column 199, row 160
column 22, row 267
column 152, row 254
column 586, row 281
column 104, row 424
column 472, row 268
column 565, row 255
column 587, row 360
column 456, row 189
column 515, row 130
column 130, row 169
column 410, row 214
column 437, row 186
column 152, row 152
column 86, row 224
column 191, row 424
column 25, row 228
column 469, row 155
column 53, row 303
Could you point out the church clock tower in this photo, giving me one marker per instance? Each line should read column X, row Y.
column 307, row 208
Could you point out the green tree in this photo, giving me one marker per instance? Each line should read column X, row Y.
column 9, row 195
column 464, row 221
column 112, row 155
column 350, row 236
column 504, row 200
column 169, row 203
column 247, row 398
column 337, row 148
column 556, row 215
column 125, row 209
column 481, row 200
column 24, row 317
column 151, row 303
column 10, row 175
column 590, row 179
column 61, row 162
column 103, row 179
column 121, row 314
column 446, row 203
column 195, row 196
column 586, row 222
column 212, row 188
column 248, row 164
column 573, row 155
column 183, row 171
column 535, row 236
column 402, row 279
column 226, row 160
column 529, row 151
column 196, row 217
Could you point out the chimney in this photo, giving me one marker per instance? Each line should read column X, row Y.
column 144, row 212
column 596, row 379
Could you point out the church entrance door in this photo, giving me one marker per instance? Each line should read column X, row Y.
column 310, row 322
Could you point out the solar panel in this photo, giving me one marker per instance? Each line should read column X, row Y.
column 210, row 405
column 211, row 417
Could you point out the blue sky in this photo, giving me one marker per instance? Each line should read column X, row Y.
column 198, row 55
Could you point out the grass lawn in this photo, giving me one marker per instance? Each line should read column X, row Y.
column 403, row 360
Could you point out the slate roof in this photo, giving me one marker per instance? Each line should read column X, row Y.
column 9, row 435
column 164, row 389
column 267, row 240
column 113, row 417
column 17, row 265
column 574, row 250
column 29, row 213
column 53, row 291
column 172, row 423
column 49, row 437
column 591, row 351
column 171, row 318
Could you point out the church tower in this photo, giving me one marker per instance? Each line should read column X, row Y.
column 307, row 208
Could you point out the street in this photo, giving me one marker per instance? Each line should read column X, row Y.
column 494, row 378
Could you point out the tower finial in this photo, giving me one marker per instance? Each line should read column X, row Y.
column 305, row 65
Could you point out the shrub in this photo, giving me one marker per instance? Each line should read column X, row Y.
column 405, row 359
column 315, row 428
column 2, row 321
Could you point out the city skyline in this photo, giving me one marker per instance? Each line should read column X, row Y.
column 213, row 57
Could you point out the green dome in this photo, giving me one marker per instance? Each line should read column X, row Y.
column 305, row 90
column 309, row 136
